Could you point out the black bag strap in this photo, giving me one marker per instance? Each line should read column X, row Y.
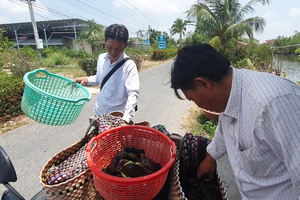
column 113, row 71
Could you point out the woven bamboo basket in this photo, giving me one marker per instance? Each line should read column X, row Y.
column 80, row 187
column 176, row 192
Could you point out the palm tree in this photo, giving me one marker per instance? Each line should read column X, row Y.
column 94, row 35
column 225, row 19
column 179, row 26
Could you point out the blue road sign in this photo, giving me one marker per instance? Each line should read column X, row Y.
column 146, row 42
column 162, row 42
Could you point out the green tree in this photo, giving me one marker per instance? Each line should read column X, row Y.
column 225, row 19
column 141, row 35
column 290, row 44
column 153, row 37
column 94, row 35
column 195, row 38
column 4, row 42
column 179, row 27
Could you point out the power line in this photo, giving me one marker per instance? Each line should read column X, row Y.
column 40, row 8
column 107, row 13
column 77, row 16
column 88, row 11
column 141, row 12
column 130, row 9
column 41, row 16
column 47, row 9
column 94, row 7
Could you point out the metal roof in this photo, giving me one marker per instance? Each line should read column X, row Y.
column 59, row 26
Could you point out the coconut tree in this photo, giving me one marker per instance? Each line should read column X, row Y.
column 225, row 19
column 94, row 35
column 179, row 27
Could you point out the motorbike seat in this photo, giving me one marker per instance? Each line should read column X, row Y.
column 7, row 172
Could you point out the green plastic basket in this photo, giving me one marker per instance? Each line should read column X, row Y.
column 52, row 99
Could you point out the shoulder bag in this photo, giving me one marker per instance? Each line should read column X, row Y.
column 113, row 70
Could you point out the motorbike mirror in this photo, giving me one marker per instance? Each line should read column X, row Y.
column 7, row 172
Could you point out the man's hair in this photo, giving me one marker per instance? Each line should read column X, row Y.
column 193, row 61
column 116, row 32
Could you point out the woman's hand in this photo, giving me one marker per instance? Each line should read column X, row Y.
column 81, row 80
column 127, row 123
column 207, row 167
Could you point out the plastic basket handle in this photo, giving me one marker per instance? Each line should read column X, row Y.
column 41, row 73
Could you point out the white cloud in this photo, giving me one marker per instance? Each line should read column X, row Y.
column 13, row 7
column 282, row 25
column 273, row 30
column 17, row 11
column 294, row 12
column 3, row 20
column 269, row 15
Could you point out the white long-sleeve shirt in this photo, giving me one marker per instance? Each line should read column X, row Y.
column 120, row 92
column 260, row 132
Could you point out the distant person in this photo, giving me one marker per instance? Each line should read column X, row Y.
column 120, row 92
column 259, row 121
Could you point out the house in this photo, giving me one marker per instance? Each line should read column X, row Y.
column 271, row 42
column 61, row 33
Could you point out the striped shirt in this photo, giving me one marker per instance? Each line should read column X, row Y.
column 260, row 132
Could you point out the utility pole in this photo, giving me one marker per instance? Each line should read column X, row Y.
column 149, row 32
column 75, row 36
column 38, row 43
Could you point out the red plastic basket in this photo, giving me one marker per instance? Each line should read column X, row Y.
column 157, row 146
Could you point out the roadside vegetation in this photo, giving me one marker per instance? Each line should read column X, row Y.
column 198, row 124
column 223, row 25
column 220, row 23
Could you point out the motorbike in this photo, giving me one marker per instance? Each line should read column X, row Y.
column 7, row 175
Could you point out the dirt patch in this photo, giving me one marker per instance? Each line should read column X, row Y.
column 146, row 64
column 194, row 112
column 190, row 123
column 14, row 123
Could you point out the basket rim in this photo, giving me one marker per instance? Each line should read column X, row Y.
column 35, row 88
column 52, row 158
column 65, row 182
column 120, row 180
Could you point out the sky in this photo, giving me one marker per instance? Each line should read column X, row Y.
column 282, row 17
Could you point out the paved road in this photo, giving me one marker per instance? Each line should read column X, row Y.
column 31, row 146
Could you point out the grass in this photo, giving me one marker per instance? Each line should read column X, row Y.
column 14, row 123
column 69, row 71
column 55, row 59
column 198, row 124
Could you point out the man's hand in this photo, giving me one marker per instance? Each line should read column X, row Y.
column 124, row 123
column 207, row 167
column 81, row 80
